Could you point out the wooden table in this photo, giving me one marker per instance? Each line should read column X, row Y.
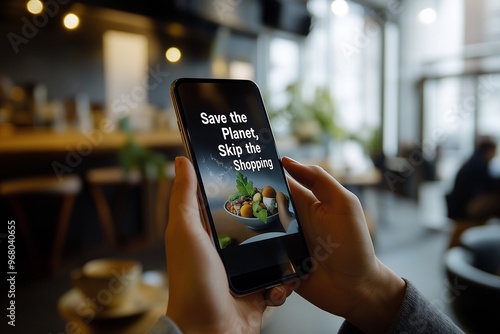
column 370, row 177
column 29, row 141
column 31, row 152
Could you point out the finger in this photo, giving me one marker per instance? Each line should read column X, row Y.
column 276, row 296
column 184, row 210
column 323, row 185
column 302, row 197
column 304, row 202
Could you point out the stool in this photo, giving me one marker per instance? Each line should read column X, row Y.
column 156, row 202
column 66, row 186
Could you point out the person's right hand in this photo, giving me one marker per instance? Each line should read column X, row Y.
column 346, row 278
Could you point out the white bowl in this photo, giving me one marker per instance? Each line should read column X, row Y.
column 253, row 223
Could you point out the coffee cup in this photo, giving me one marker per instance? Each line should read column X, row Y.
column 109, row 283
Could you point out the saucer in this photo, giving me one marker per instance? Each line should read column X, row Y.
column 75, row 303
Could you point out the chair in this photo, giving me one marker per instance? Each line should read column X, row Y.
column 97, row 179
column 154, row 201
column 473, row 270
column 68, row 187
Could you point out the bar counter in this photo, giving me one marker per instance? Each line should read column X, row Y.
column 31, row 141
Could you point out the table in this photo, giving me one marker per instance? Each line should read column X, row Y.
column 29, row 141
column 31, row 152
column 369, row 177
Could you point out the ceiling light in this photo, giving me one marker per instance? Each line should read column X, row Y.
column 427, row 15
column 339, row 7
column 173, row 54
column 71, row 21
column 34, row 6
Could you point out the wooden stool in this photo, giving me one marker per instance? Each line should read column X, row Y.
column 155, row 204
column 67, row 186
column 100, row 177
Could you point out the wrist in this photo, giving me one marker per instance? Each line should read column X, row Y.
column 379, row 302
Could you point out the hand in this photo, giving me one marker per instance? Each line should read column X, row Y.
column 199, row 297
column 347, row 278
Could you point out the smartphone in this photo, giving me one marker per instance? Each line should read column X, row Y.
column 243, row 192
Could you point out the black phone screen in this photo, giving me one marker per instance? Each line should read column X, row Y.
column 242, row 183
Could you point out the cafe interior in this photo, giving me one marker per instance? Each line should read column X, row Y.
column 391, row 97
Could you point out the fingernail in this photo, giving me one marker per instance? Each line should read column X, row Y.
column 278, row 293
column 292, row 160
column 178, row 163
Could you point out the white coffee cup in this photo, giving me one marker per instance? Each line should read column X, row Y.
column 108, row 283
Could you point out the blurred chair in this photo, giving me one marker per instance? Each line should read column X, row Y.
column 99, row 178
column 154, row 199
column 473, row 270
column 68, row 187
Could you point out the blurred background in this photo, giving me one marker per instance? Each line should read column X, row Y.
column 392, row 97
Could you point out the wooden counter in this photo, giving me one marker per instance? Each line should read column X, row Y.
column 31, row 141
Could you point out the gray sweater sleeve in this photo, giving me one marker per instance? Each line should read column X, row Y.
column 416, row 315
column 165, row 326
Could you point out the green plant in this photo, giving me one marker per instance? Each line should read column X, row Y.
column 299, row 111
column 371, row 143
column 133, row 156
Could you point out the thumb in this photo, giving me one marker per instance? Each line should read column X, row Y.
column 183, row 210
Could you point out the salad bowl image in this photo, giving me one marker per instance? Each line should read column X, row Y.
column 252, row 206
column 253, row 223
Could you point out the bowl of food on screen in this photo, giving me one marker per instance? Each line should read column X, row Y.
column 252, row 206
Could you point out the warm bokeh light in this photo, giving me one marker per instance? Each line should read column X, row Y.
column 17, row 94
column 339, row 7
column 176, row 29
column 173, row 54
column 71, row 21
column 427, row 15
column 34, row 6
column 220, row 67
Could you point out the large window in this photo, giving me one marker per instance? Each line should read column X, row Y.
column 343, row 55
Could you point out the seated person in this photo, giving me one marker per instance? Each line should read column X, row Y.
column 476, row 194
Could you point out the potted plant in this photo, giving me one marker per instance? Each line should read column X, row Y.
column 311, row 120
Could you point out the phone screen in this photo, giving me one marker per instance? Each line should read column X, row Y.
column 244, row 193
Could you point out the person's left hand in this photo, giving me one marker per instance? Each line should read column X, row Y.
column 199, row 296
